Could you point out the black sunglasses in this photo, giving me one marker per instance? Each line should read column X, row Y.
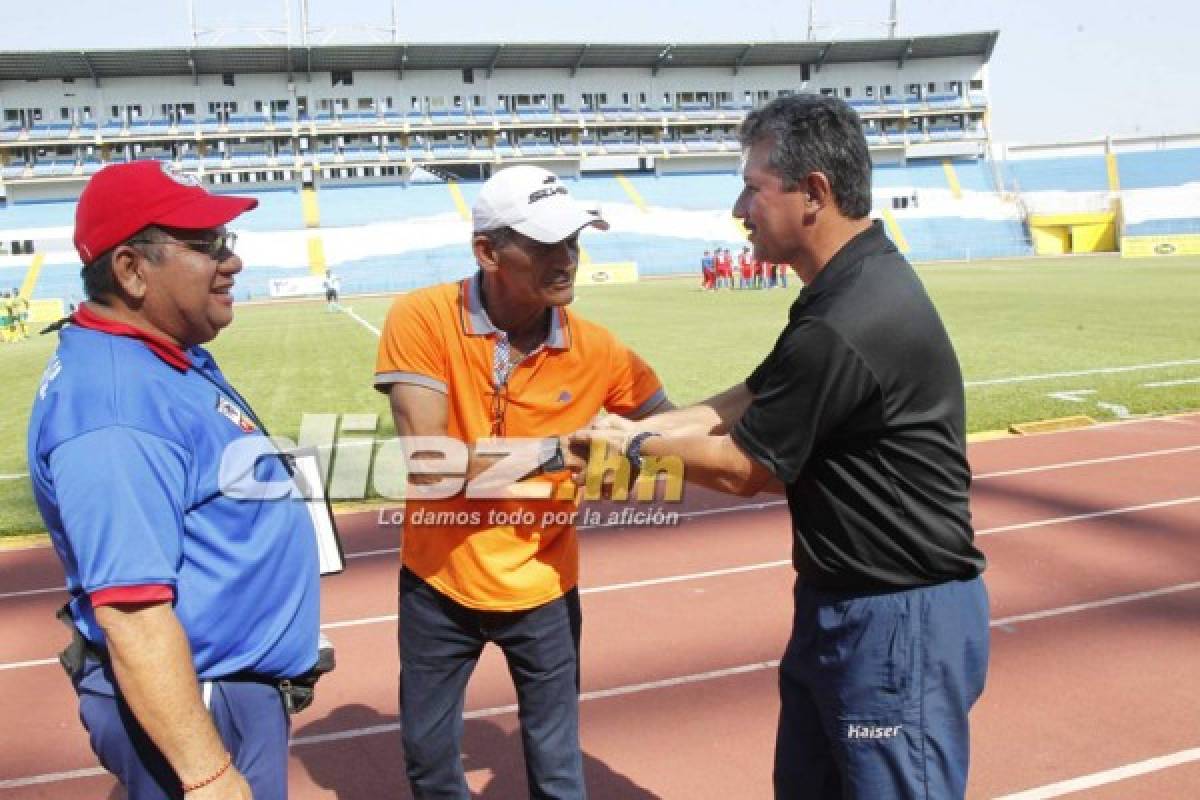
column 213, row 248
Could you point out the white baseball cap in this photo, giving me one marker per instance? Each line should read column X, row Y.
column 532, row 201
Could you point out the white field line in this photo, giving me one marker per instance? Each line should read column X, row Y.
column 13, row 476
column 1079, row 373
column 1054, row 790
column 1165, row 384
column 985, row 382
column 1107, row 776
column 350, row 313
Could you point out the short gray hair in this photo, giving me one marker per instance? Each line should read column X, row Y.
column 814, row 133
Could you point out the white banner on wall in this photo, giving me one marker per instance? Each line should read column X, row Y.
column 297, row 287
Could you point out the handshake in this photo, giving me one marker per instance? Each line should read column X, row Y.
column 606, row 435
column 605, row 458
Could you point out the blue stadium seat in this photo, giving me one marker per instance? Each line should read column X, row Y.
column 1164, row 227
column 1067, row 174
column 1148, row 169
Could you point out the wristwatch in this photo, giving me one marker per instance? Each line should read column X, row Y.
column 550, row 455
column 633, row 448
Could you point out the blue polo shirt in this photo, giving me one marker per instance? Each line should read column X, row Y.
column 125, row 447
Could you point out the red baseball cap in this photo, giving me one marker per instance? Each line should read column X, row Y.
column 122, row 199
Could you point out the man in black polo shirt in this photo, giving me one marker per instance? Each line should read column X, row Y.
column 857, row 415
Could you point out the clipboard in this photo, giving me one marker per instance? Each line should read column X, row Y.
column 331, row 558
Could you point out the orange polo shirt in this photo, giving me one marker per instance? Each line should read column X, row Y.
column 441, row 338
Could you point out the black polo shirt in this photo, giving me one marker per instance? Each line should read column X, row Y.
column 858, row 410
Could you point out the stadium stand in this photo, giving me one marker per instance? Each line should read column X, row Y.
column 662, row 157
column 1066, row 174
column 1156, row 168
column 1163, row 227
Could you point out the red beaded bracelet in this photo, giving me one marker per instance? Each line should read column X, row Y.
column 191, row 787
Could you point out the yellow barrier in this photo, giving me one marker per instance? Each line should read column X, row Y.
column 31, row 276
column 952, row 178
column 1179, row 244
column 1083, row 232
column 598, row 274
column 316, row 255
column 893, row 228
column 1114, row 174
column 459, row 201
column 310, row 208
column 633, row 193
column 46, row 310
column 1051, row 240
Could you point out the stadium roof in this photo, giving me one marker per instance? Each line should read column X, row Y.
column 194, row 61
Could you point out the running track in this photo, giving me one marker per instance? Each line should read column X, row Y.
column 1094, row 576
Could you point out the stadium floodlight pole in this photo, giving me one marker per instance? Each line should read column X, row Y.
column 395, row 21
column 304, row 22
column 894, row 19
column 812, row 17
column 191, row 6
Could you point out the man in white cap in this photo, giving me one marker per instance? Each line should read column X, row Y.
column 499, row 356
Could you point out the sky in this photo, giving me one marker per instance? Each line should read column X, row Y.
column 1063, row 70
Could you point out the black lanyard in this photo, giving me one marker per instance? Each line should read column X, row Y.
column 236, row 399
column 229, row 393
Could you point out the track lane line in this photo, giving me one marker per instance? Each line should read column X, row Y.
column 1112, row 512
column 777, row 503
column 1106, row 777
column 985, row 531
column 1002, row 622
column 1004, row 473
column 745, row 669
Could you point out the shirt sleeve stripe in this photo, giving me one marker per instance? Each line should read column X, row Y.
column 655, row 400
column 118, row 595
column 385, row 379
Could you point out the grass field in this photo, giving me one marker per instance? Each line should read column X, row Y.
column 1015, row 325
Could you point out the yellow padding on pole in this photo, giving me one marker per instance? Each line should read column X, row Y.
column 952, row 178
column 459, row 201
column 1114, row 174
column 894, row 231
column 31, row 276
column 310, row 208
column 316, row 255
column 633, row 193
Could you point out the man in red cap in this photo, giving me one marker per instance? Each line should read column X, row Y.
column 189, row 605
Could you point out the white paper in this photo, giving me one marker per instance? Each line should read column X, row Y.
column 308, row 478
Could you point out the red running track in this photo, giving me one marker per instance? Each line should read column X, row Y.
column 1094, row 575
